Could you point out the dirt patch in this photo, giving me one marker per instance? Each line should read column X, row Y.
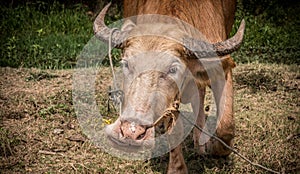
column 39, row 131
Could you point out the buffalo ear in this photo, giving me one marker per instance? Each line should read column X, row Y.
column 126, row 28
column 188, row 91
column 128, row 25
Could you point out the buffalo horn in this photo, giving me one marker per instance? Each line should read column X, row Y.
column 103, row 33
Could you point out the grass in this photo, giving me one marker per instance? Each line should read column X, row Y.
column 271, row 35
column 42, row 35
column 39, row 131
column 37, row 104
column 51, row 35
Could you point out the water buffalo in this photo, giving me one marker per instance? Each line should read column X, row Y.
column 154, row 68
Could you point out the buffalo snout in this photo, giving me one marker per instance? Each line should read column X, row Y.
column 133, row 131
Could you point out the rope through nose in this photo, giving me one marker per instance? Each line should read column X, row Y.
column 172, row 113
column 116, row 95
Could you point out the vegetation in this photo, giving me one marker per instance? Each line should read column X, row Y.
column 272, row 34
column 51, row 35
column 38, row 35
column 39, row 131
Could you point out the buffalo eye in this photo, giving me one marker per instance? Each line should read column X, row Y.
column 124, row 64
column 172, row 70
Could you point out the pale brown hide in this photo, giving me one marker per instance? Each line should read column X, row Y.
column 214, row 19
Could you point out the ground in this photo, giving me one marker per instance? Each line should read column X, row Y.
column 39, row 132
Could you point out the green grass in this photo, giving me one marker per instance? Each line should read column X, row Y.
column 50, row 36
column 272, row 35
column 38, row 35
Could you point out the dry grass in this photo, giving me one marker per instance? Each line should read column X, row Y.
column 39, row 132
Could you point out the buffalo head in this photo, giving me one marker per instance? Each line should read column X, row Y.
column 157, row 70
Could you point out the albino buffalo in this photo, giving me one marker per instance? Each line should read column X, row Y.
column 157, row 53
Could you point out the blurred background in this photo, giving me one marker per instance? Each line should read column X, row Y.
column 49, row 34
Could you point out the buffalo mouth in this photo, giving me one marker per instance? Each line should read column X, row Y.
column 124, row 144
column 119, row 142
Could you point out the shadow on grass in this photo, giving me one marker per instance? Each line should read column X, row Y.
column 258, row 80
column 195, row 163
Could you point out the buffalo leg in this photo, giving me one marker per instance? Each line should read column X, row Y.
column 223, row 94
column 176, row 162
column 200, row 122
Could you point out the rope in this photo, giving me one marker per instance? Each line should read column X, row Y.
column 115, row 94
column 230, row 148
column 109, row 55
column 172, row 112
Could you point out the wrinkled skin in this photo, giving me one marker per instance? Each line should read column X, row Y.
column 154, row 67
column 152, row 80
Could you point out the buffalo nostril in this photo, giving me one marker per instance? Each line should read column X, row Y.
column 121, row 134
column 141, row 136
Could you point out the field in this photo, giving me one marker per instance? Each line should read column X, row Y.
column 50, row 35
column 39, row 131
